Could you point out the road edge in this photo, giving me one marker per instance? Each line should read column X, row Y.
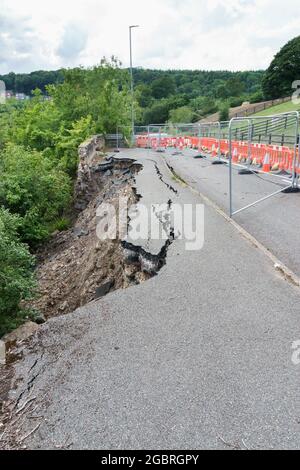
column 278, row 265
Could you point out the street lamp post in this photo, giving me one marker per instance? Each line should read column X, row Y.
column 131, row 76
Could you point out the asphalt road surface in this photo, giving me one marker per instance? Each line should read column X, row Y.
column 200, row 356
column 274, row 222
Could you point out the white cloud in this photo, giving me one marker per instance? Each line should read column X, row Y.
column 72, row 43
column 219, row 34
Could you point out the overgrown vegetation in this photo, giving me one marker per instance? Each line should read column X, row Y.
column 16, row 272
column 38, row 160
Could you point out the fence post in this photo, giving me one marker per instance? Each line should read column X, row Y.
column 148, row 138
column 295, row 175
column 230, row 169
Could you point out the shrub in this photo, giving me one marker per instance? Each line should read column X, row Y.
column 34, row 188
column 184, row 114
column 16, row 272
column 235, row 101
column 257, row 97
column 204, row 105
column 224, row 111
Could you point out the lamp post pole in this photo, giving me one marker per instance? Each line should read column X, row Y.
column 131, row 81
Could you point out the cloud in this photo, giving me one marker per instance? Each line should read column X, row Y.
column 73, row 42
column 196, row 34
column 17, row 42
column 20, row 45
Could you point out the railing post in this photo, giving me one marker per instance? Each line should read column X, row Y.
column 295, row 175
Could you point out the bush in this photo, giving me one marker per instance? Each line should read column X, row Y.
column 224, row 112
column 235, row 101
column 257, row 97
column 33, row 188
column 203, row 106
column 184, row 114
column 16, row 272
column 157, row 114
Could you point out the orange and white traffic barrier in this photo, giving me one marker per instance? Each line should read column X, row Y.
column 266, row 165
column 235, row 156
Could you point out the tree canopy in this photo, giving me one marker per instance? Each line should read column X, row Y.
column 283, row 71
column 38, row 158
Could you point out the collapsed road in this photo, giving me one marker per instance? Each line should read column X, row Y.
column 199, row 356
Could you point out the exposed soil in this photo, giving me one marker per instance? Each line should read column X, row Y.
column 75, row 267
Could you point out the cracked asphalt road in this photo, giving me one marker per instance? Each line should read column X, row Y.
column 197, row 356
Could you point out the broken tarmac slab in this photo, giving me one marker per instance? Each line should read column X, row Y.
column 156, row 193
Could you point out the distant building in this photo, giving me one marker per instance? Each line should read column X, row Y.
column 9, row 94
column 21, row 96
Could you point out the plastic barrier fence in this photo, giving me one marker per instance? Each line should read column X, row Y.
column 266, row 156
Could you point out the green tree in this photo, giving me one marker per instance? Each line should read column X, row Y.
column 17, row 281
column 235, row 87
column 203, row 106
column 163, row 87
column 36, row 124
column 222, row 91
column 158, row 113
column 224, row 111
column 283, row 71
column 144, row 95
column 68, row 140
column 101, row 92
column 184, row 114
column 257, row 97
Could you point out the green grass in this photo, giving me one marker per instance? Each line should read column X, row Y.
column 276, row 129
column 278, row 109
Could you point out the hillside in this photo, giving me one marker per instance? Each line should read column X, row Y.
column 263, row 108
column 278, row 109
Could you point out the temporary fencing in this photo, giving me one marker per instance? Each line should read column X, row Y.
column 264, row 157
column 206, row 138
column 244, row 143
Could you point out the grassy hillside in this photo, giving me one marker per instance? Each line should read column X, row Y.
column 278, row 109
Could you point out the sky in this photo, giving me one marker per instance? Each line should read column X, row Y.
column 173, row 34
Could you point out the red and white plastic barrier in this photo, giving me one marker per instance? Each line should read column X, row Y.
column 278, row 155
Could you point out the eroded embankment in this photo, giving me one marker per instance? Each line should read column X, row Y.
column 75, row 266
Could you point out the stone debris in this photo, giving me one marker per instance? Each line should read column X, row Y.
column 19, row 335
